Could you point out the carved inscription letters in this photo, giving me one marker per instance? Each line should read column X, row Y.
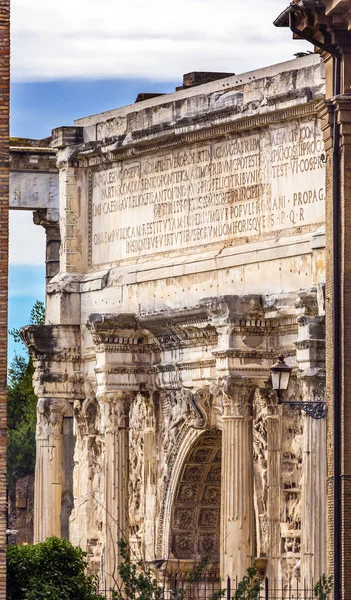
column 215, row 192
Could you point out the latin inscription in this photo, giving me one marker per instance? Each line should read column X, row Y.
column 240, row 187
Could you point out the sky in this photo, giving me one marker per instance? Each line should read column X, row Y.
column 75, row 58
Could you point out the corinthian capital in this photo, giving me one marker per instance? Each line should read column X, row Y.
column 237, row 393
column 51, row 412
column 115, row 408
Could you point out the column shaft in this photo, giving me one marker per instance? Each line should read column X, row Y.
column 150, row 494
column 49, row 468
column 236, row 497
column 48, row 487
column 313, row 535
column 116, row 498
column 274, row 430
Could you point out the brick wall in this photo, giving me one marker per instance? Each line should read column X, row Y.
column 4, row 198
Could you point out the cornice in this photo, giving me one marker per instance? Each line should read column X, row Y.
column 140, row 147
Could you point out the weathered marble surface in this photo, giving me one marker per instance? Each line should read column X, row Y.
column 192, row 254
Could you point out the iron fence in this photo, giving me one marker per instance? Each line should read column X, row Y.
column 176, row 586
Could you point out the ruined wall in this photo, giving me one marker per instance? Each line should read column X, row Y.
column 192, row 253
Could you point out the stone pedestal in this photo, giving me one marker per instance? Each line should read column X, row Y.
column 236, row 537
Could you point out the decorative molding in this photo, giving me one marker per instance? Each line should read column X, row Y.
column 138, row 148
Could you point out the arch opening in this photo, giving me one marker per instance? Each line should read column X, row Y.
column 195, row 521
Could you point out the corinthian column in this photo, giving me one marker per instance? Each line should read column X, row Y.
column 48, row 472
column 237, row 480
column 116, row 412
column 274, row 456
column 313, row 538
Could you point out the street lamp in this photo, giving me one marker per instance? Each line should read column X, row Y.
column 280, row 373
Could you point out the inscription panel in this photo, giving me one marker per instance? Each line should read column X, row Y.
column 223, row 192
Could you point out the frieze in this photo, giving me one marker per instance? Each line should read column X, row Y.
column 147, row 369
column 305, row 344
column 196, row 364
column 66, row 356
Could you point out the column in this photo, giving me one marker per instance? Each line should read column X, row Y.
column 49, row 219
column 313, row 522
column 49, row 468
column 55, row 350
column 310, row 357
column 68, row 444
column 237, row 535
column 274, row 450
column 150, row 466
column 116, row 411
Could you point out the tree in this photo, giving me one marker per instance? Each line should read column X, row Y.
column 51, row 570
column 21, row 410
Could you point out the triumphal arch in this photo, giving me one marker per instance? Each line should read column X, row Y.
column 192, row 254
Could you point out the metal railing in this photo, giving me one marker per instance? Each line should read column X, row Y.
column 179, row 587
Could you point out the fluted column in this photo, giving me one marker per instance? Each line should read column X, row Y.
column 274, row 453
column 116, row 411
column 313, row 525
column 237, row 536
column 57, row 380
column 150, row 479
column 48, row 472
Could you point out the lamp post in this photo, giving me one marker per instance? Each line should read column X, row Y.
column 280, row 373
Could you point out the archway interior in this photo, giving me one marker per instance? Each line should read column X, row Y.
column 195, row 527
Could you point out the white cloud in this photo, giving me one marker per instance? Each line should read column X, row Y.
column 154, row 39
column 27, row 241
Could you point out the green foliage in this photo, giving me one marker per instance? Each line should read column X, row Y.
column 323, row 588
column 21, row 410
column 139, row 582
column 250, row 585
column 37, row 317
column 52, row 570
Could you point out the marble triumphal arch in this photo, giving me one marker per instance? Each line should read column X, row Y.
column 192, row 253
